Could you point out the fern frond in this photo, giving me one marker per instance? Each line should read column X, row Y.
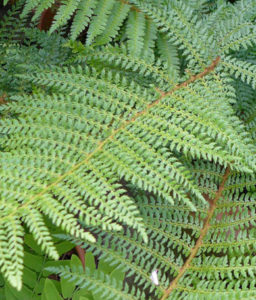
column 119, row 12
column 29, row 5
column 98, row 282
column 169, row 54
column 12, row 259
column 149, row 40
column 119, row 57
column 236, row 34
column 84, row 12
column 181, row 28
column 247, row 8
column 40, row 7
column 99, row 21
column 12, row 25
column 142, row 151
column 193, row 252
column 246, row 106
column 135, row 32
column 64, row 13
column 241, row 69
column 35, row 223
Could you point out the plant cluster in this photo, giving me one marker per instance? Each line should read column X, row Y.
column 128, row 130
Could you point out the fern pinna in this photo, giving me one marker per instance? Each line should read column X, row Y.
column 146, row 160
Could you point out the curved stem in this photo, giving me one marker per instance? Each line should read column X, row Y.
column 203, row 233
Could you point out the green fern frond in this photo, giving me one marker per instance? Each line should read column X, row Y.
column 119, row 57
column 40, row 6
column 241, row 69
column 247, row 8
column 64, row 13
column 99, row 21
column 135, row 32
column 236, row 34
column 181, row 28
column 169, row 54
column 84, row 12
column 99, row 283
column 81, row 146
column 29, row 5
column 246, row 106
column 119, row 13
column 149, row 40
column 12, row 259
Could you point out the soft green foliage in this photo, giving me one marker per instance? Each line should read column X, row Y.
column 107, row 19
column 141, row 150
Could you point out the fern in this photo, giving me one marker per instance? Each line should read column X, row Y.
column 142, row 151
column 204, row 255
column 245, row 70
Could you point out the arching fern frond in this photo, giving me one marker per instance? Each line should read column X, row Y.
column 66, row 152
column 226, row 28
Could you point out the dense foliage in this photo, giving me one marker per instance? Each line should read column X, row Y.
column 128, row 129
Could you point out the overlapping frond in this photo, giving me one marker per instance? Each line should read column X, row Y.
column 141, row 21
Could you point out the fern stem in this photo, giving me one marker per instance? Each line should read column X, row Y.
column 199, row 242
column 3, row 99
column 81, row 253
